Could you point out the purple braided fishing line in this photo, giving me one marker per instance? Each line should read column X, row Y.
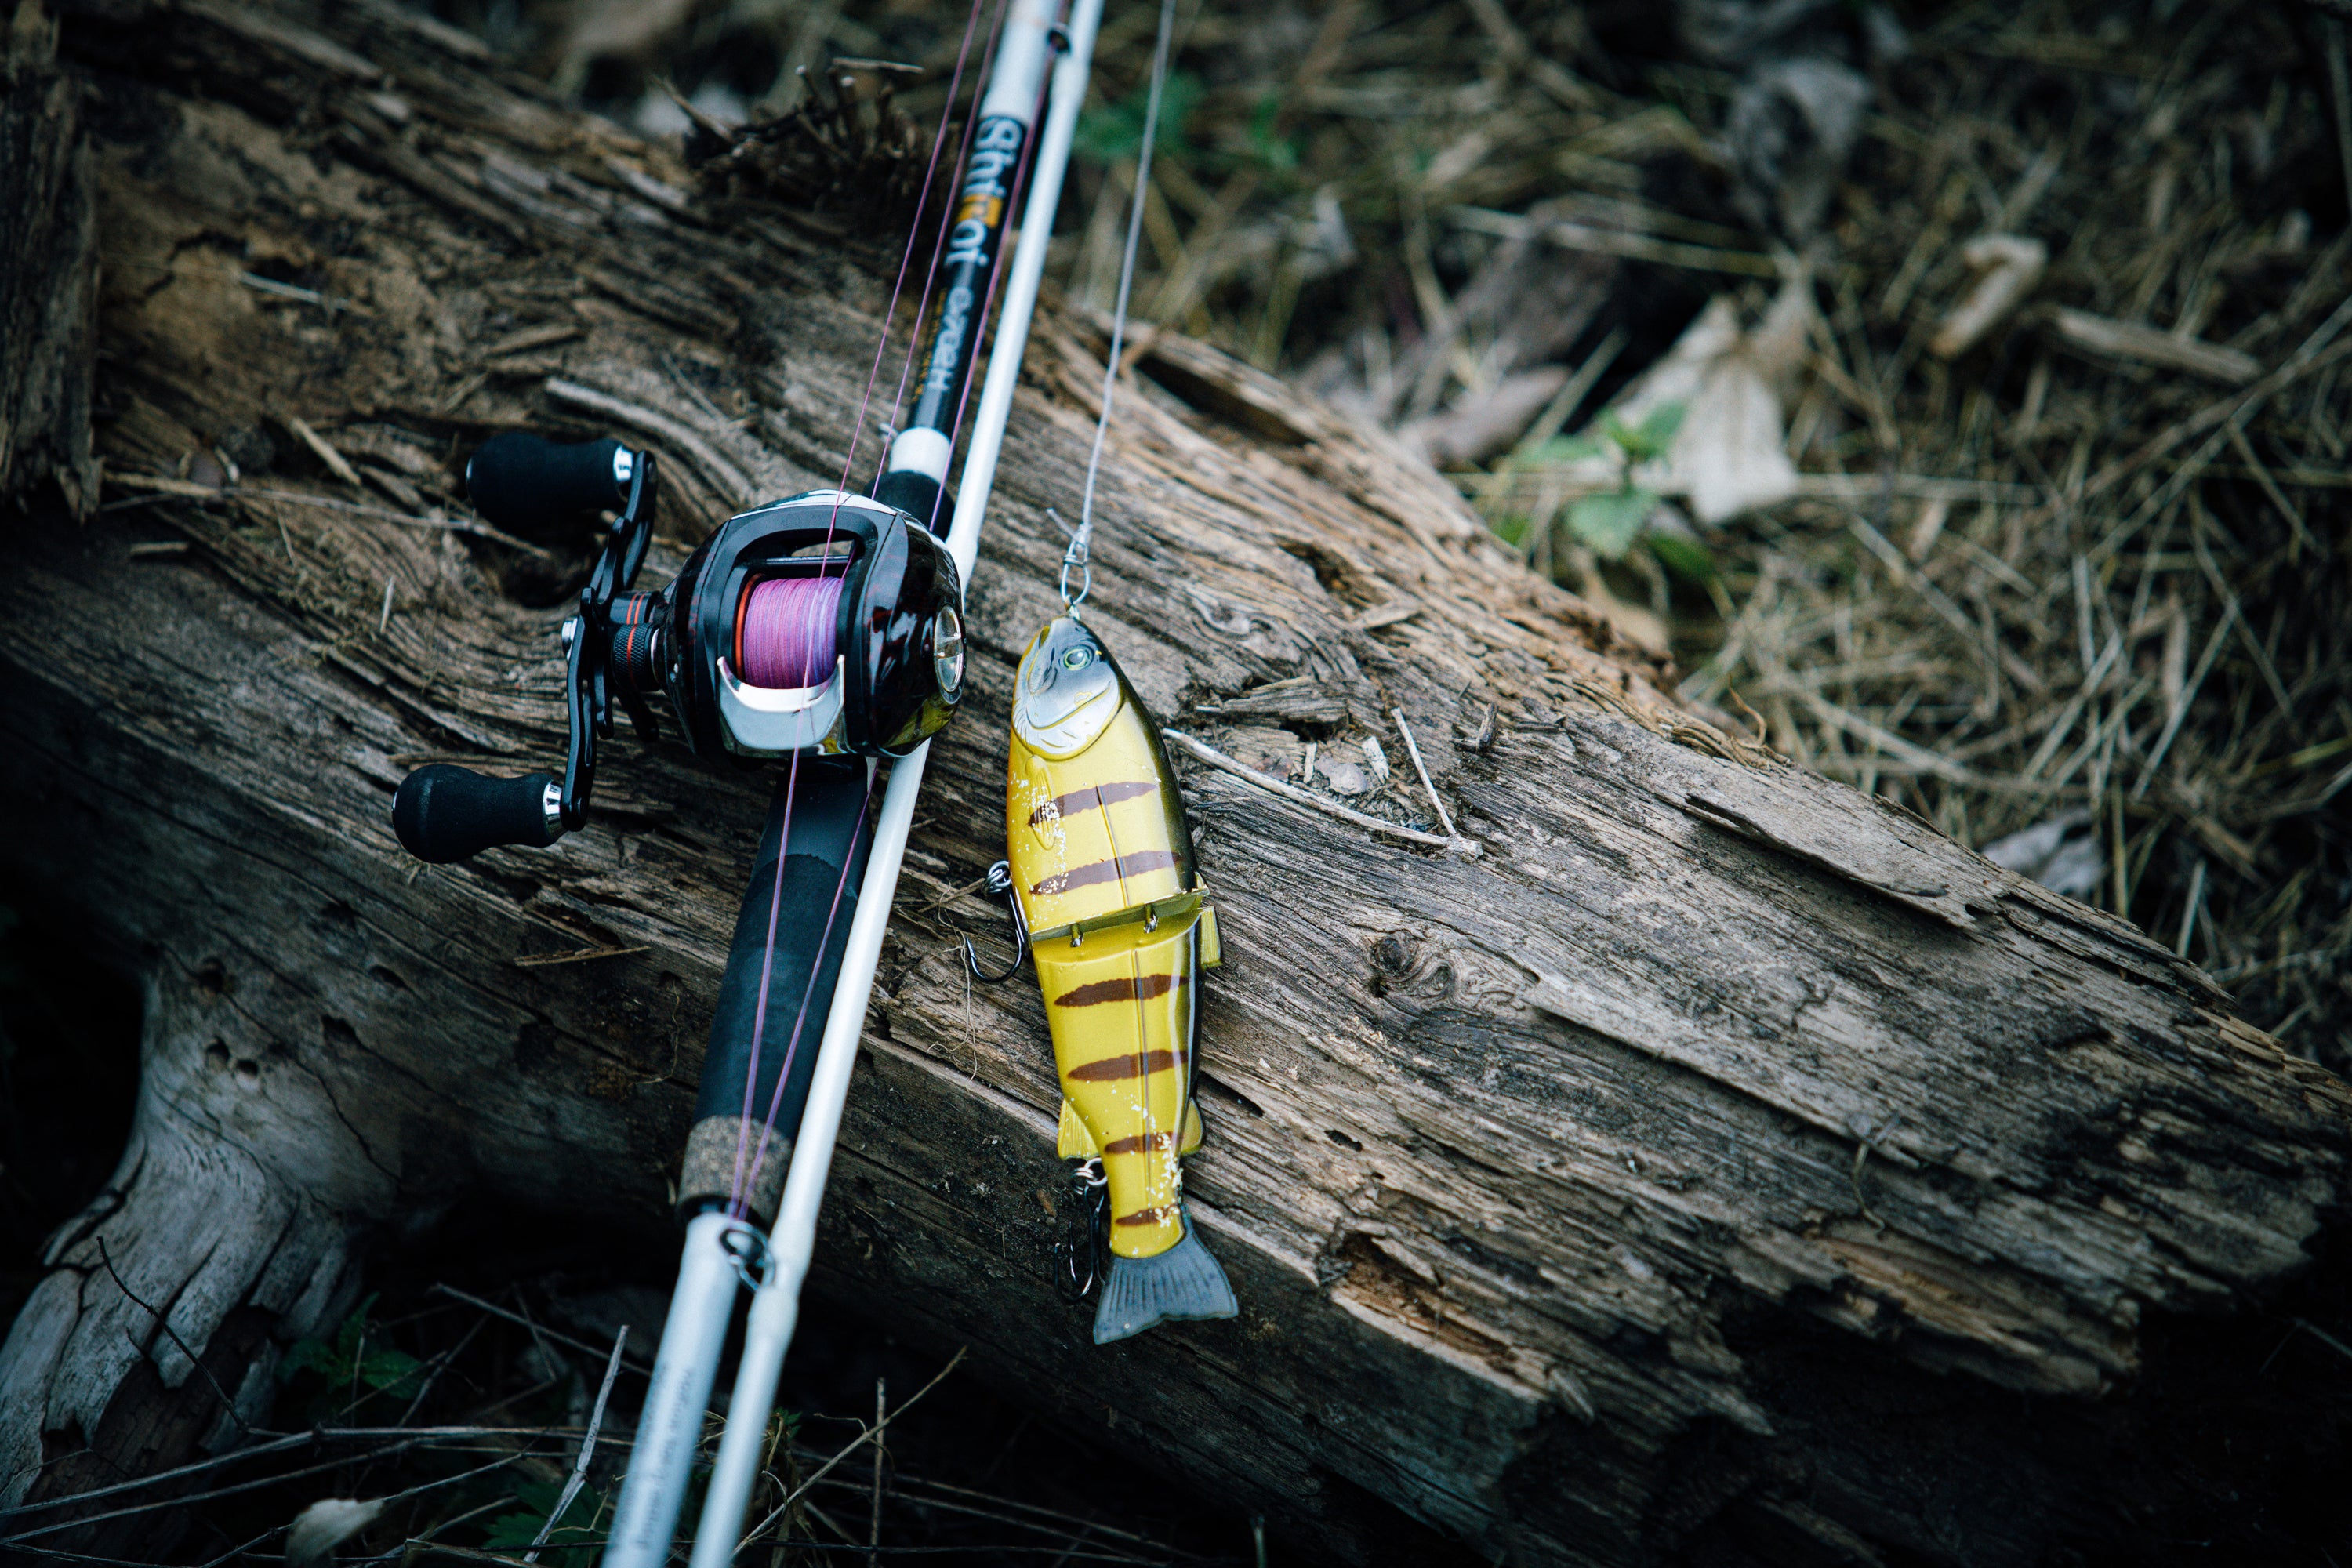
column 735, row 1203
column 791, row 1048
column 788, row 631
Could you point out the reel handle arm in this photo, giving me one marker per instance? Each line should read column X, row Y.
column 444, row 813
column 527, row 485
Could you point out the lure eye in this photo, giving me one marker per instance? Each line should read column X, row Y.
column 1077, row 659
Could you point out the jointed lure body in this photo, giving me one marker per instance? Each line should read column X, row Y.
column 1101, row 863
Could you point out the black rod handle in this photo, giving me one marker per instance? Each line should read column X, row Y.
column 527, row 485
column 445, row 813
column 823, row 871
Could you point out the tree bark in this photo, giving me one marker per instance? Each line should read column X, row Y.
column 1721, row 1164
column 49, row 297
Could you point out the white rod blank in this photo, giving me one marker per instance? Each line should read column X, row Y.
column 671, row 1429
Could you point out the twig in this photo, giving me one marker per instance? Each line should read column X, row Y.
column 2339, row 95
column 1059, row 1529
column 1617, row 242
column 1861, row 1155
column 522, row 1321
column 163, row 486
column 327, row 302
column 874, row 1520
column 2188, row 914
column 21, row 1536
column 1444, row 819
column 2270, row 488
column 2253, row 644
column 263, row 1450
column 441, row 1363
column 872, row 1435
column 575, row 955
column 277, row 1443
column 337, row 464
column 2324, row 1337
column 1217, row 759
column 2316, row 353
column 1021, row 1507
column 2179, row 714
column 587, row 1448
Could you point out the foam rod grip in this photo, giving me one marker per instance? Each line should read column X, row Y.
column 444, row 813
column 919, row 497
column 537, row 488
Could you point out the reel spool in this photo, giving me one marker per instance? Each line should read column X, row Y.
column 826, row 624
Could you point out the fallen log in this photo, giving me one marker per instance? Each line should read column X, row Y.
column 49, row 313
column 1717, row 1165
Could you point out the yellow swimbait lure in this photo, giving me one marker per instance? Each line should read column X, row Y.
column 1101, row 863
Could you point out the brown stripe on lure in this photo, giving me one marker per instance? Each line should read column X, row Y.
column 1100, row 865
column 1140, row 989
column 1090, row 797
column 1121, row 868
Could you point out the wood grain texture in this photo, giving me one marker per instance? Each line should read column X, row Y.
column 48, row 272
column 1721, row 1156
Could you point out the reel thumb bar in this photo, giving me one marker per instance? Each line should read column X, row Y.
column 775, row 1307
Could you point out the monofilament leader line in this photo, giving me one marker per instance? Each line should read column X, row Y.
column 1080, row 541
column 775, row 1306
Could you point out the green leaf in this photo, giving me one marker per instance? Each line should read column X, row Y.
column 1559, row 451
column 1107, row 135
column 1685, row 558
column 513, row 1532
column 1510, row 528
column 1651, row 437
column 306, row 1355
column 575, row 1531
column 1279, row 153
column 337, row 1360
column 350, row 1358
column 391, row 1371
column 1610, row 521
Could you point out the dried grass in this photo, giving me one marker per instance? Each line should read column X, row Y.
column 2159, row 637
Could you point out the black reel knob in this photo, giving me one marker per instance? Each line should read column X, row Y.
column 538, row 487
column 445, row 812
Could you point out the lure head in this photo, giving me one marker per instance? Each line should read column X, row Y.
column 1065, row 692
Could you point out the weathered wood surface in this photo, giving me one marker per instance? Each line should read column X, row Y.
column 49, row 279
column 1522, row 1165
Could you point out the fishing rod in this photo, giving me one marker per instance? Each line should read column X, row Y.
column 775, row 1304
column 1001, row 150
column 824, row 629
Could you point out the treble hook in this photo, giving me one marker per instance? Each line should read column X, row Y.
column 999, row 885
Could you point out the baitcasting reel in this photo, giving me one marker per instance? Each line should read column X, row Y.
column 823, row 623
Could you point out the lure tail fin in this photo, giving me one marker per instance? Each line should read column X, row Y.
column 1183, row 1284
